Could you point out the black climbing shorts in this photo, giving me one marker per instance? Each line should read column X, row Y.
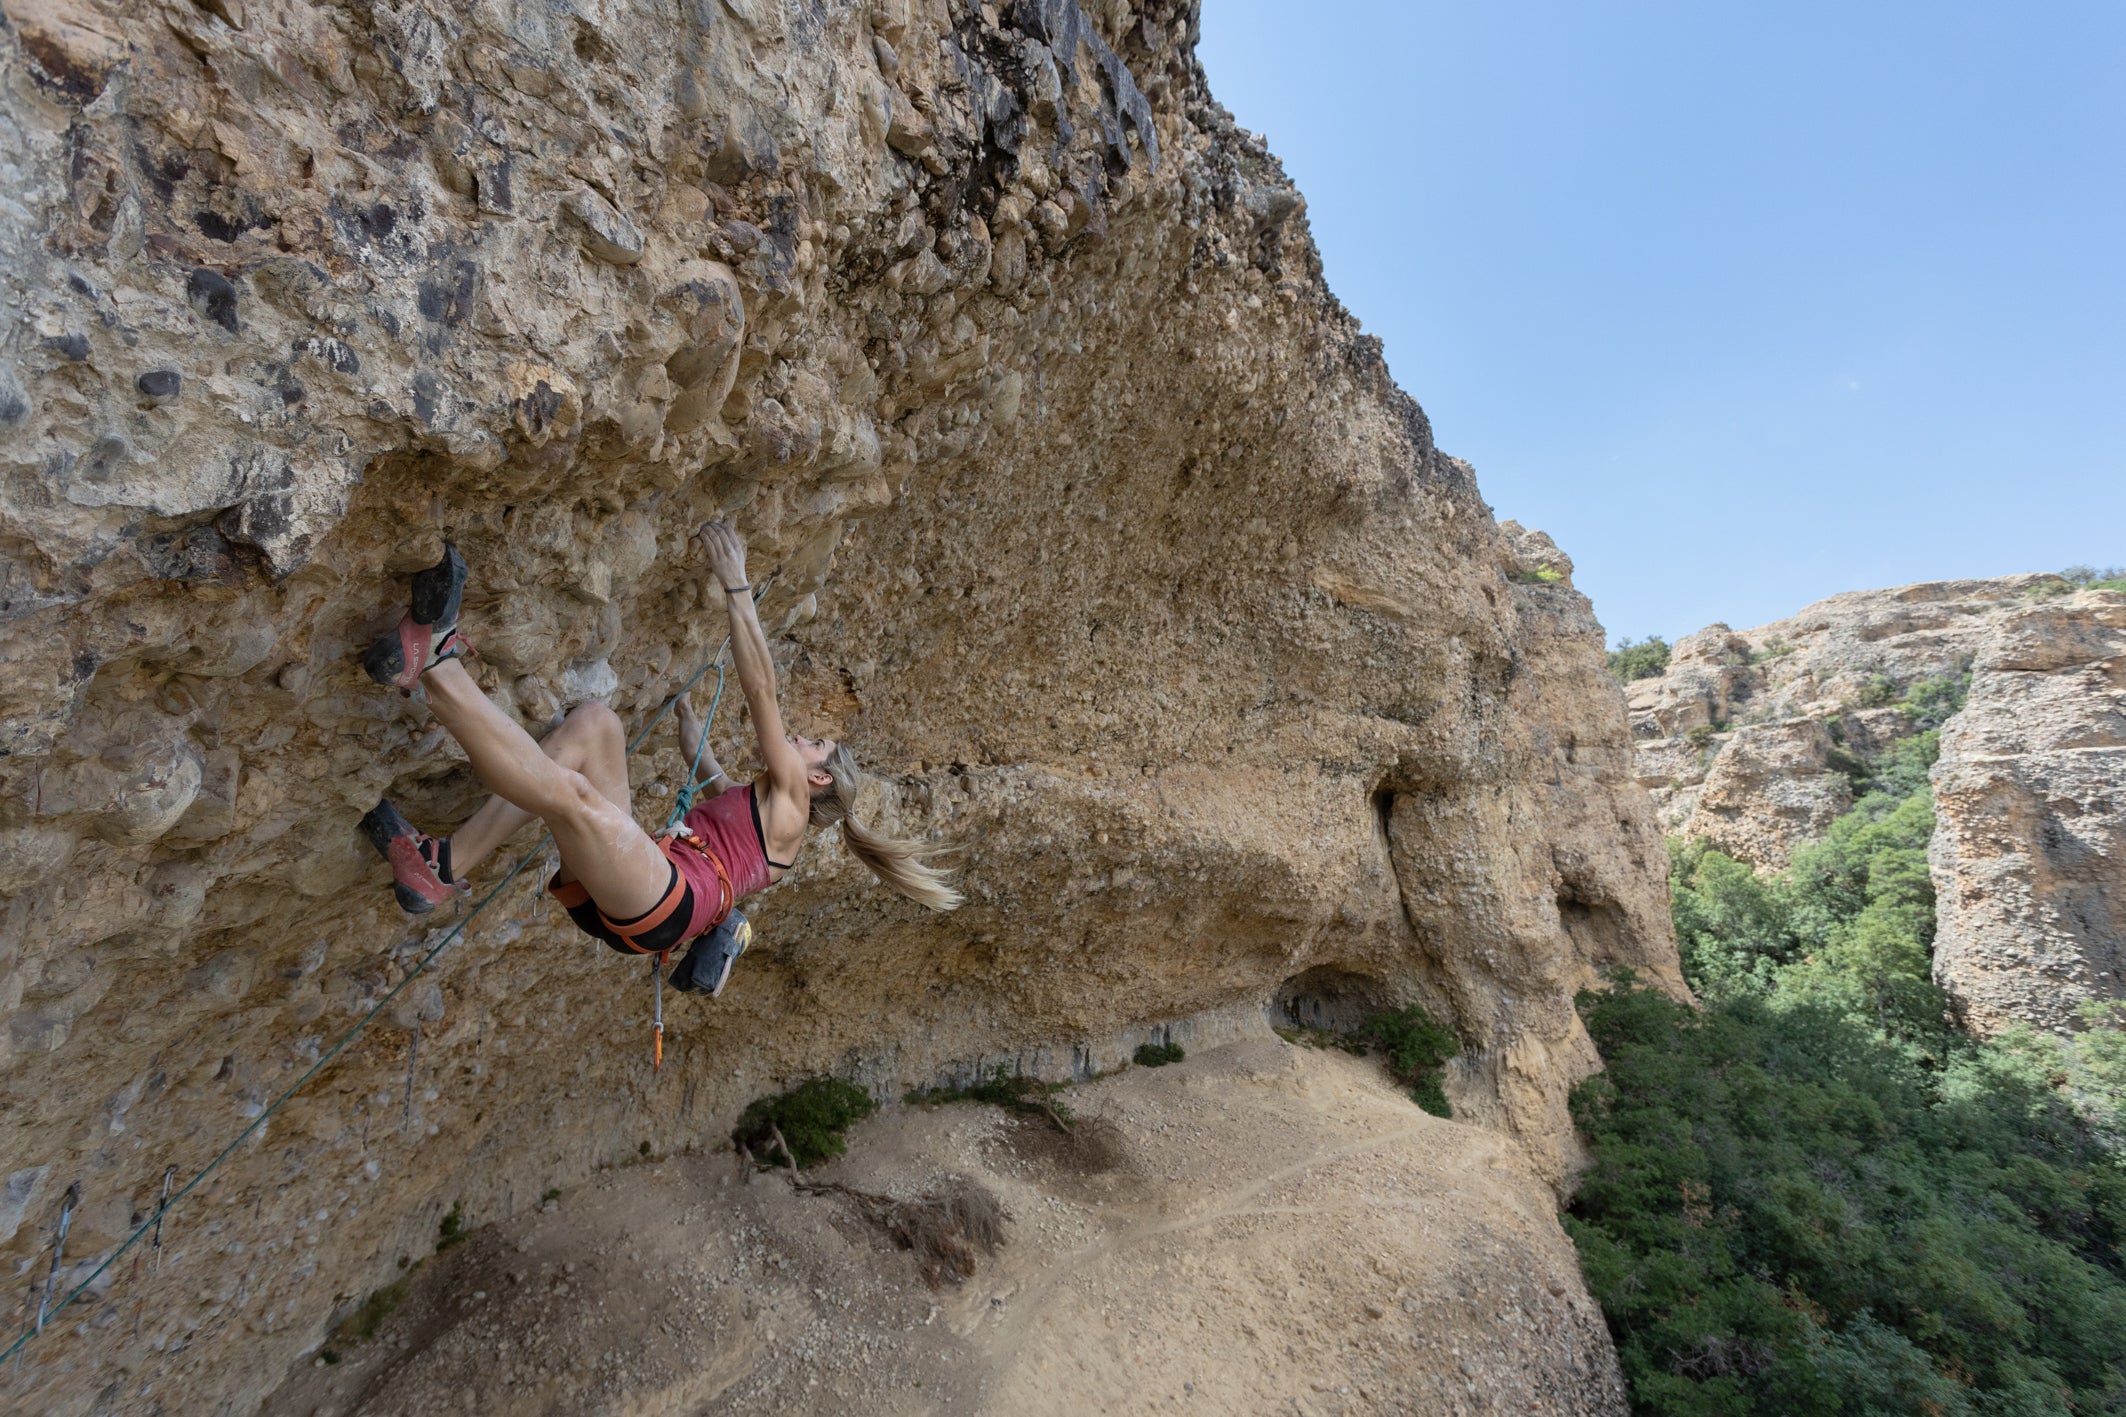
column 656, row 930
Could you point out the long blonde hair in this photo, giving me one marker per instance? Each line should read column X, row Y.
column 901, row 863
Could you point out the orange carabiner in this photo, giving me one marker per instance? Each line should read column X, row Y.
column 657, row 1028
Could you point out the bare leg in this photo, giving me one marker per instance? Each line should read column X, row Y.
column 599, row 841
column 586, row 742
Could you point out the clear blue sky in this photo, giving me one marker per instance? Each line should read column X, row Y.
column 1744, row 303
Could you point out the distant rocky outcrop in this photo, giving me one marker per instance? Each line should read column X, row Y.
column 2029, row 850
column 1752, row 740
column 1748, row 738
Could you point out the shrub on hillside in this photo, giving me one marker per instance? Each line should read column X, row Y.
column 1903, row 768
column 1158, row 1055
column 2087, row 1067
column 1014, row 1092
column 1874, row 691
column 1929, row 703
column 1417, row 1048
column 1641, row 659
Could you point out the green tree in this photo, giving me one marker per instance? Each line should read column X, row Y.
column 1641, row 659
column 2090, row 575
column 1929, row 703
column 1786, row 1215
column 2096, row 578
column 1815, row 1195
column 1732, row 924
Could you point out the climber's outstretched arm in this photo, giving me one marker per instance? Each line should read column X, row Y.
column 756, row 668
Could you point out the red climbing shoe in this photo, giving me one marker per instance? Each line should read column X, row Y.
column 429, row 633
column 420, row 864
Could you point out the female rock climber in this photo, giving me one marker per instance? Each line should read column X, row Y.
column 639, row 894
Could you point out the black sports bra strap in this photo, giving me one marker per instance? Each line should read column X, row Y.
column 753, row 803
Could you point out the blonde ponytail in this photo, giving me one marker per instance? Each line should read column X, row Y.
column 901, row 863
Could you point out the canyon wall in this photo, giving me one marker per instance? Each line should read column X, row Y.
column 2029, row 849
column 1095, row 526
column 1752, row 739
column 1746, row 738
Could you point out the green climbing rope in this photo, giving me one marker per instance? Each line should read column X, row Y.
column 683, row 799
column 686, row 797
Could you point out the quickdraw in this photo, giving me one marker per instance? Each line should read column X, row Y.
column 726, row 898
column 657, row 991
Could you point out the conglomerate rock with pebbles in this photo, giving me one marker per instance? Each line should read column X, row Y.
column 1094, row 524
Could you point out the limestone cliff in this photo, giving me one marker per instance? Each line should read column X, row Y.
column 1740, row 740
column 1095, row 524
column 2029, row 850
column 1749, row 740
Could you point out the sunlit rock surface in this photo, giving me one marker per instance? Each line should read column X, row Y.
column 1748, row 737
column 2029, row 851
column 1094, row 524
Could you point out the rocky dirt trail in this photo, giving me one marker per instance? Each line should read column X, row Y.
column 1264, row 1228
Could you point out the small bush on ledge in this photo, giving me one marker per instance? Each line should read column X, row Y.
column 1642, row 659
column 1014, row 1092
column 1418, row 1049
column 1158, row 1055
column 811, row 1116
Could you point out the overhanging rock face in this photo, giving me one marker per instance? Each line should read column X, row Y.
column 1096, row 527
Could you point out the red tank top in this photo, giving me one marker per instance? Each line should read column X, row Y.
column 730, row 825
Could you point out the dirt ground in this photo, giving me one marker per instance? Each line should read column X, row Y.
column 1266, row 1228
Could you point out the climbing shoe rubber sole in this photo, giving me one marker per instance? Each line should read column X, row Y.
column 428, row 633
column 707, row 967
column 415, row 879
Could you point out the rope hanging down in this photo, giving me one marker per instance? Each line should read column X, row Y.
column 682, row 803
column 154, row 1222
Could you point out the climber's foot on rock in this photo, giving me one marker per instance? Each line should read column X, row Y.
column 420, row 863
column 428, row 634
column 707, row 966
